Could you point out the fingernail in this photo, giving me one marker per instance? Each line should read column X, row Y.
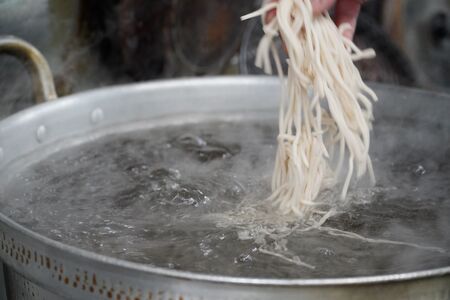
column 348, row 33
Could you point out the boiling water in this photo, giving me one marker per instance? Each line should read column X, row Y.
column 191, row 198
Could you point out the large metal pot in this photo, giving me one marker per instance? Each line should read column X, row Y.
column 37, row 267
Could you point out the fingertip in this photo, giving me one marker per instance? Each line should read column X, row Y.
column 320, row 6
column 347, row 11
column 270, row 15
column 348, row 33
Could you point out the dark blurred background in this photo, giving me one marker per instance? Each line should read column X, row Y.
column 91, row 43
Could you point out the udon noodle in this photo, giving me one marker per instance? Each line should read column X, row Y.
column 325, row 115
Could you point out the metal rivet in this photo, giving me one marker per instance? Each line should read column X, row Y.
column 97, row 116
column 41, row 133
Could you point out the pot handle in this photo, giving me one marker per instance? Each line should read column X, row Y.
column 44, row 88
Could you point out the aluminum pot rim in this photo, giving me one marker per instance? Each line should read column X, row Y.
column 195, row 276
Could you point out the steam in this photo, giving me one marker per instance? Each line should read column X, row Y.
column 25, row 19
column 55, row 32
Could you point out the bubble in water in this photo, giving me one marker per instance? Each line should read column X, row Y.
column 243, row 258
column 205, row 148
column 245, row 235
column 180, row 200
column 326, row 252
column 161, row 174
column 189, row 140
column 420, row 170
column 188, row 195
column 205, row 248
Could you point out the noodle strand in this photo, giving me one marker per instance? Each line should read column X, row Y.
column 326, row 109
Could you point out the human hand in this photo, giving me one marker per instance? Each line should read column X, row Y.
column 346, row 11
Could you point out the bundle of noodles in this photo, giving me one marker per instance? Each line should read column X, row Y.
column 325, row 113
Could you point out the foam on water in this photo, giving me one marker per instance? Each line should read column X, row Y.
column 191, row 198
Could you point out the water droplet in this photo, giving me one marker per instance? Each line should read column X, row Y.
column 243, row 258
column 420, row 170
column 97, row 116
column 204, row 247
column 326, row 252
column 41, row 133
column 206, row 200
